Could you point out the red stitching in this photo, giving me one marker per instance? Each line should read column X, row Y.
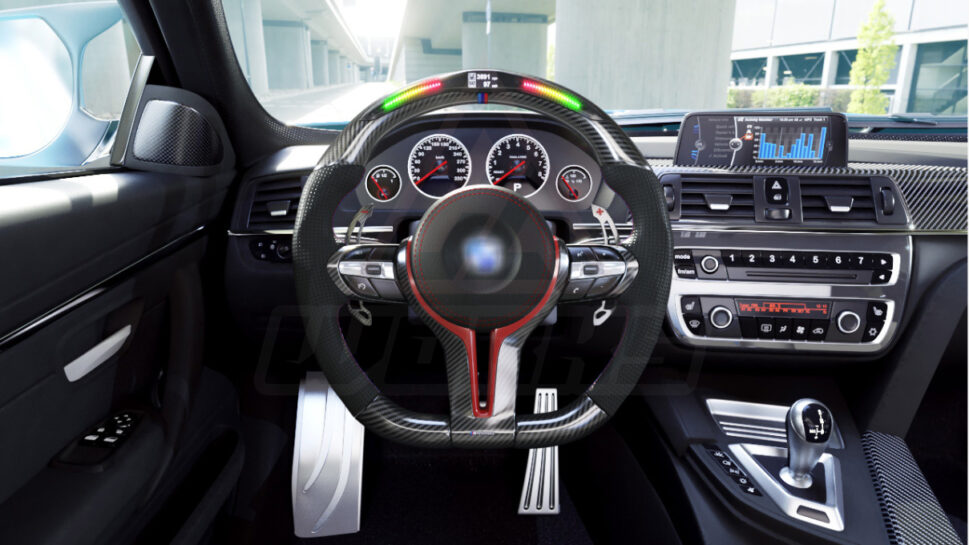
column 549, row 259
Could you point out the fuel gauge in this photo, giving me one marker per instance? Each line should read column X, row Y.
column 383, row 183
column 574, row 183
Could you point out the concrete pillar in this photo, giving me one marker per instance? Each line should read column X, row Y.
column 829, row 69
column 419, row 59
column 770, row 72
column 333, row 62
column 244, row 18
column 344, row 76
column 595, row 56
column 903, row 84
column 288, row 54
column 518, row 42
column 321, row 69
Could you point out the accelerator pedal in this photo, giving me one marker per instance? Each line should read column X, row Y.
column 540, row 492
column 327, row 463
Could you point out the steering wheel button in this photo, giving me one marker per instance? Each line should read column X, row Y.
column 581, row 253
column 361, row 286
column 590, row 270
column 387, row 289
column 602, row 286
column 373, row 269
column 576, row 289
column 606, row 254
column 358, row 254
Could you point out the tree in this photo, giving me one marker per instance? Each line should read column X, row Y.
column 874, row 62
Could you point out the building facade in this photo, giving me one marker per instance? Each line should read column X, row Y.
column 814, row 43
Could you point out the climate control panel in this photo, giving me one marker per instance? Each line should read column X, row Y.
column 788, row 291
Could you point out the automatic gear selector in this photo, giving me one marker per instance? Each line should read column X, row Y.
column 809, row 424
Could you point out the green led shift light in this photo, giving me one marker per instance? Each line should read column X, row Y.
column 565, row 99
column 394, row 101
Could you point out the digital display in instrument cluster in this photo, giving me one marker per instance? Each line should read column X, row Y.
column 767, row 139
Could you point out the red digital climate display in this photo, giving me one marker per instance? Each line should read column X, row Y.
column 774, row 307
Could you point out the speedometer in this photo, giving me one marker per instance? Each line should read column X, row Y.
column 519, row 163
column 439, row 164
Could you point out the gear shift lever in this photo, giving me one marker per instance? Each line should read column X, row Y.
column 809, row 425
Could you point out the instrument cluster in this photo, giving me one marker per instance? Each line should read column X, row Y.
column 533, row 157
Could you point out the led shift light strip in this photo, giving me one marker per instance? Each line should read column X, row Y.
column 565, row 99
column 400, row 98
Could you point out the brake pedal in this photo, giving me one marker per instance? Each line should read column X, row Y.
column 327, row 463
column 540, row 491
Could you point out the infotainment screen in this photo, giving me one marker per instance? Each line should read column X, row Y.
column 749, row 138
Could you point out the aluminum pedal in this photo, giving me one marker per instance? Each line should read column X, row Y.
column 540, row 491
column 327, row 463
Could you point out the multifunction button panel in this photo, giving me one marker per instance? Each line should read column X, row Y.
column 778, row 319
column 732, row 469
column 784, row 266
column 788, row 291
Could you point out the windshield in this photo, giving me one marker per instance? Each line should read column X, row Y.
column 319, row 62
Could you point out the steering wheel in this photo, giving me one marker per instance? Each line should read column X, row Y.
column 483, row 260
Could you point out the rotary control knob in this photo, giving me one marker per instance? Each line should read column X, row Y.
column 848, row 322
column 721, row 317
column 709, row 264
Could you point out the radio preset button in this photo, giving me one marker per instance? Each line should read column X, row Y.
column 839, row 261
column 721, row 317
column 709, row 264
column 815, row 260
column 848, row 322
column 860, row 261
column 788, row 259
column 771, row 259
column 750, row 258
column 731, row 258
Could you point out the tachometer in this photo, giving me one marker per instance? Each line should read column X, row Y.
column 439, row 164
column 518, row 162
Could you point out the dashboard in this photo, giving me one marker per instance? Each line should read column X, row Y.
column 789, row 256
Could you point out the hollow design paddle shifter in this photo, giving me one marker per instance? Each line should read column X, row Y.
column 483, row 261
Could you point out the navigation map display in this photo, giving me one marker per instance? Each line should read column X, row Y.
column 762, row 138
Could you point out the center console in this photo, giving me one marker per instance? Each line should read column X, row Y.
column 819, row 292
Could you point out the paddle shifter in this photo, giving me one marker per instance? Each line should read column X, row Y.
column 809, row 425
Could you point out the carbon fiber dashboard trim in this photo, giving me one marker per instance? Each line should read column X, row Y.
column 910, row 509
column 934, row 196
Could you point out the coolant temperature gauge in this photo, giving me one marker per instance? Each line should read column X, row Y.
column 574, row 183
column 383, row 183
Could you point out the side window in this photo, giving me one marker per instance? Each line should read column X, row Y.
column 66, row 72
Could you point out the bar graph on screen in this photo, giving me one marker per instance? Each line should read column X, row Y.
column 805, row 143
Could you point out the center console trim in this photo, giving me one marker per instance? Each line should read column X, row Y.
column 832, row 508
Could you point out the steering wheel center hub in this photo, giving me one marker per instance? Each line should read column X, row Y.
column 483, row 257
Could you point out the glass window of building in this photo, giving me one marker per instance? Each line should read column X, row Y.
column 847, row 58
column 748, row 72
column 804, row 69
column 939, row 79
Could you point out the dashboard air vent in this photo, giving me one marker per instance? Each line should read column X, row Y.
column 274, row 204
column 837, row 199
column 716, row 197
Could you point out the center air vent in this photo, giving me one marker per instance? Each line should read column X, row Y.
column 837, row 199
column 703, row 197
column 274, row 204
